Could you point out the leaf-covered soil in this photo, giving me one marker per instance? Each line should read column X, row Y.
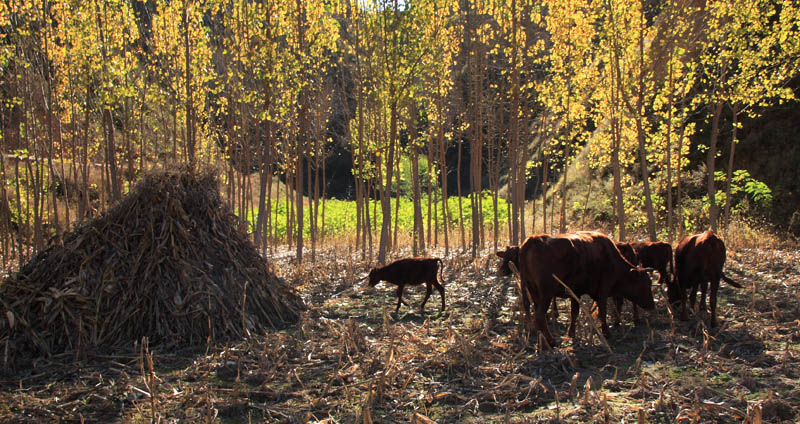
column 352, row 359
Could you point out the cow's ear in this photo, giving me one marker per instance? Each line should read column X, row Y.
column 501, row 254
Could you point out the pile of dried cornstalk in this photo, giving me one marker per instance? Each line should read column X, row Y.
column 167, row 262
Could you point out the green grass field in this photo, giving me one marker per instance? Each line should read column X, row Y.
column 340, row 215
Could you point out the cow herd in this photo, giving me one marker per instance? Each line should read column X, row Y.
column 589, row 263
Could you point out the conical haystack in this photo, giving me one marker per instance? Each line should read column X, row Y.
column 168, row 262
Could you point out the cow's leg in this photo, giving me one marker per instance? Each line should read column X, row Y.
column 575, row 308
column 554, row 309
column 526, row 305
column 703, row 289
column 635, row 314
column 428, row 290
column 399, row 297
column 540, row 315
column 693, row 294
column 712, row 300
column 602, row 308
column 618, row 302
column 439, row 287
column 683, row 301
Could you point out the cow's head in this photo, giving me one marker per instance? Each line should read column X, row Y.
column 511, row 254
column 636, row 287
column 374, row 277
column 628, row 252
column 673, row 291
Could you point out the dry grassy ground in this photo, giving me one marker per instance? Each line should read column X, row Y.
column 351, row 359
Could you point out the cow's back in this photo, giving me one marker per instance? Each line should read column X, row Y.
column 409, row 270
column 581, row 260
column 701, row 255
column 656, row 254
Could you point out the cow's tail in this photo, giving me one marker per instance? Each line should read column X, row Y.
column 731, row 282
column 441, row 269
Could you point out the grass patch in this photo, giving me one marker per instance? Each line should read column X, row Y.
column 340, row 215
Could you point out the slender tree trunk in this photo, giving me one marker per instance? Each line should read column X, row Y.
column 648, row 198
column 431, row 180
column 190, row 139
column 269, row 223
column 263, row 168
column 545, row 178
column 726, row 218
column 313, row 194
column 711, row 157
column 517, row 158
column 304, row 131
column 385, row 203
column 615, row 166
column 299, row 200
column 562, row 226
column 324, row 196
column 615, row 140
column 396, row 203
column 368, row 225
column 678, row 184
column 517, row 209
column 492, row 157
column 419, row 230
column 670, row 218
column 458, row 188
column 443, row 171
column 20, row 236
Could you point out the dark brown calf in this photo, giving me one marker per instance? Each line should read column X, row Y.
column 649, row 254
column 655, row 254
column 698, row 261
column 588, row 263
column 410, row 272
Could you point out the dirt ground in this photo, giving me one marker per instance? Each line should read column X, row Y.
column 352, row 359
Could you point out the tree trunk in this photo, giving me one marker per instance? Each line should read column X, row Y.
column 458, row 188
column 670, row 218
column 190, row 139
column 386, row 206
column 648, row 198
column 726, row 218
column 616, row 140
column 396, row 202
column 443, row 171
column 711, row 157
column 303, row 137
column 620, row 206
column 419, row 231
column 545, row 178
column 430, row 182
column 312, row 218
column 562, row 226
column 263, row 168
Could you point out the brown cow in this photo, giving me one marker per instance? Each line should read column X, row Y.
column 410, row 272
column 698, row 260
column 588, row 263
column 654, row 254
column 649, row 254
